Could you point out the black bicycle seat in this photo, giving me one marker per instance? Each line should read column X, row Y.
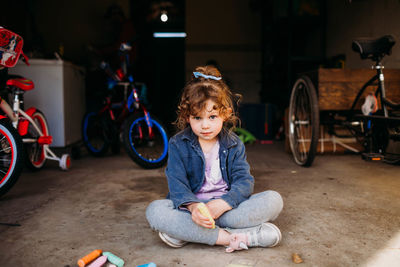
column 374, row 49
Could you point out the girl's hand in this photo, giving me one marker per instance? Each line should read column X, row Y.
column 217, row 207
column 199, row 218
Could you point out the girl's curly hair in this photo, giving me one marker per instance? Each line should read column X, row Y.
column 198, row 90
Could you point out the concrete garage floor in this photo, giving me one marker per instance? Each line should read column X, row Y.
column 340, row 212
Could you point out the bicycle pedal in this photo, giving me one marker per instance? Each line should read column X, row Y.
column 372, row 156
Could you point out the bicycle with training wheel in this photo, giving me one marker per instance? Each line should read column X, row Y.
column 374, row 126
column 143, row 136
column 24, row 134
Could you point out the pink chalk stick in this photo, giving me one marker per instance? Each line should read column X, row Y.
column 98, row 262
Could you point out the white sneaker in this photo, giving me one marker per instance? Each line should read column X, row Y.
column 266, row 235
column 170, row 241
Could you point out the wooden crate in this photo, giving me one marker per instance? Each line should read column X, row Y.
column 337, row 88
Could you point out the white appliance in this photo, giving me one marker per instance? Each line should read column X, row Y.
column 59, row 93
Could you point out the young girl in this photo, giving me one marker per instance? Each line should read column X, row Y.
column 207, row 163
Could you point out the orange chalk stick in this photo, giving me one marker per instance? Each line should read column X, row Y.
column 89, row 257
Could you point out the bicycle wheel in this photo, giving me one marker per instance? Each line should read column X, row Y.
column 35, row 154
column 11, row 156
column 95, row 134
column 150, row 152
column 303, row 122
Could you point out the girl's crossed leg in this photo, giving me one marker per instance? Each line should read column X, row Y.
column 259, row 208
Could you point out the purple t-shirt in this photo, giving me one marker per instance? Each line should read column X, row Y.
column 214, row 185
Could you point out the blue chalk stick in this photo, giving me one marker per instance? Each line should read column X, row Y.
column 150, row 264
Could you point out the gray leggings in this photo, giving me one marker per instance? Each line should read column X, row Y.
column 259, row 208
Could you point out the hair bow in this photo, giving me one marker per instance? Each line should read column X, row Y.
column 199, row 74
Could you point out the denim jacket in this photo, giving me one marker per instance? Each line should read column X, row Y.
column 186, row 168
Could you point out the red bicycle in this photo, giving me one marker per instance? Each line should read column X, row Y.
column 24, row 134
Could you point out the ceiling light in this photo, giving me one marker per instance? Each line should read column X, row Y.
column 164, row 16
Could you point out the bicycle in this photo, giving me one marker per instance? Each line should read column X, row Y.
column 24, row 135
column 372, row 127
column 143, row 136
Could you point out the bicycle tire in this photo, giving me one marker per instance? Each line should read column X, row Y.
column 11, row 155
column 35, row 152
column 94, row 134
column 149, row 153
column 303, row 121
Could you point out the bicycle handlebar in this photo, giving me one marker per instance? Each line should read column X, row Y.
column 106, row 67
column 125, row 47
column 25, row 59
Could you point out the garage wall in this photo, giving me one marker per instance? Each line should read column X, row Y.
column 220, row 30
column 229, row 34
column 47, row 24
column 362, row 18
column 74, row 24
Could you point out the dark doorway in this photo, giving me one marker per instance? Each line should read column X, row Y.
column 161, row 61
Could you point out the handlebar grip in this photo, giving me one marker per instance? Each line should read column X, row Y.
column 125, row 47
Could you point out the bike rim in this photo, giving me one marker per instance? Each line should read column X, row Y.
column 7, row 155
column 139, row 131
column 301, row 124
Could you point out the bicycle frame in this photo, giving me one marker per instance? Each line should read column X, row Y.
column 127, row 107
column 131, row 102
column 15, row 113
column 381, row 88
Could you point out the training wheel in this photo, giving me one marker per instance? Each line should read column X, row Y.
column 65, row 162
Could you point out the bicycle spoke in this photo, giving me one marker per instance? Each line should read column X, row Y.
column 35, row 153
column 6, row 150
column 300, row 142
column 301, row 120
column 301, row 132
